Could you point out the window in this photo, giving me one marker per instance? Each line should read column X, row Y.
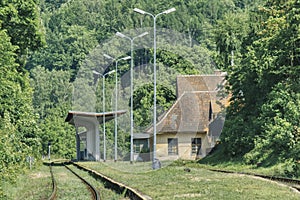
column 196, row 146
column 172, row 146
column 140, row 145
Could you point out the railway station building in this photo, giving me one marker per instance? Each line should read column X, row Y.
column 192, row 126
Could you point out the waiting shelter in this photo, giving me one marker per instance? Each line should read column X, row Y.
column 90, row 121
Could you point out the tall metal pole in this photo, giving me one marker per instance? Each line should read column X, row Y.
column 103, row 108
column 116, row 100
column 116, row 108
column 49, row 150
column 131, row 101
column 154, row 94
column 131, row 88
column 154, row 76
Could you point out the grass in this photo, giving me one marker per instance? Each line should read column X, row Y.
column 169, row 182
column 173, row 182
column 277, row 170
column 32, row 185
column 36, row 184
column 217, row 160
column 68, row 185
column 105, row 193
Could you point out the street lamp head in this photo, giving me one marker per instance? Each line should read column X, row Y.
column 139, row 11
column 96, row 73
column 169, row 11
column 110, row 72
column 143, row 34
column 124, row 36
column 107, row 56
column 120, row 35
column 126, row 58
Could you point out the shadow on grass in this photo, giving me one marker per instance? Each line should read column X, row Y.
column 271, row 165
column 218, row 157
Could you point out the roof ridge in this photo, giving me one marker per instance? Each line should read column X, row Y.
column 202, row 75
column 167, row 113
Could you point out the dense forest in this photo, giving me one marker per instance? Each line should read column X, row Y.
column 46, row 46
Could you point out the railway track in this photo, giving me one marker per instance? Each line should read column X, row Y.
column 54, row 186
column 130, row 193
column 116, row 190
column 94, row 193
column 118, row 187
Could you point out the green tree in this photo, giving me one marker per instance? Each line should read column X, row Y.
column 52, row 100
column 51, row 89
column 17, row 124
column 263, row 118
column 20, row 32
column 22, row 22
column 143, row 101
column 67, row 47
column 61, row 135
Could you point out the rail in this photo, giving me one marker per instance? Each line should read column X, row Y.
column 114, row 185
column 54, row 186
column 94, row 192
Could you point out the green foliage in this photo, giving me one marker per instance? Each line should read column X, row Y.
column 232, row 31
column 280, row 121
column 51, row 5
column 60, row 134
column 52, row 98
column 19, row 32
column 17, row 125
column 188, row 60
column 143, row 101
column 67, row 47
column 76, row 27
column 262, row 122
column 13, row 152
column 21, row 20
column 51, row 89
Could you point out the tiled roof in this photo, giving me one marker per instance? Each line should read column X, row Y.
column 196, row 106
column 190, row 113
column 186, row 83
column 216, row 126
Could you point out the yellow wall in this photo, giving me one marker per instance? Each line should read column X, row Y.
column 184, row 145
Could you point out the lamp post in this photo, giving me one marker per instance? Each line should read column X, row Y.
column 154, row 75
column 116, row 101
column 131, row 87
column 103, row 108
column 49, row 147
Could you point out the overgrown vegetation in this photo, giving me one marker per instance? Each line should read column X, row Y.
column 43, row 45
column 38, row 178
column 262, row 124
column 19, row 33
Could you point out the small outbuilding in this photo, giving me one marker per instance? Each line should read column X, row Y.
column 90, row 137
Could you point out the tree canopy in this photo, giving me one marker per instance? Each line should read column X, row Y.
column 19, row 33
column 263, row 118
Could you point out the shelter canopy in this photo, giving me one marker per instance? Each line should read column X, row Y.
column 100, row 116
